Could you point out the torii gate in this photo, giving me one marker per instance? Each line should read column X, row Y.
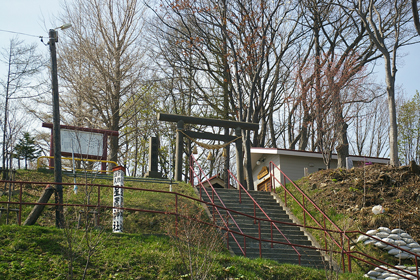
column 181, row 120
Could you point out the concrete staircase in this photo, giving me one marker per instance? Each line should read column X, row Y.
column 279, row 252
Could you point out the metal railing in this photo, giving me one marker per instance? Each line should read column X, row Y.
column 415, row 256
column 97, row 204
column 255, row 203
column 214, row 206
column 323, row 226
column 272, row 223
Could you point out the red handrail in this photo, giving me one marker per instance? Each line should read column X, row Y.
column 255, row 204
column 265, row 214
column 274, row 179
column 212, row 200
column 351, row 254
column 416, row 256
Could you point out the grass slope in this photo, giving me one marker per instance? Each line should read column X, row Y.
column 347, row 197
column 38, row 253
column 41, row 252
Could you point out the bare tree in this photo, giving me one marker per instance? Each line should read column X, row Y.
column 386, row 23
column 331, row 63
column 22, row 62
column 240, row 47
column 101, row 63
column 369, row 127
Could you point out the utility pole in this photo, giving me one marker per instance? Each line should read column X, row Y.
column 59, row 216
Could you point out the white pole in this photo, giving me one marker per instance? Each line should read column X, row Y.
column 118, row 201
column 74, row 168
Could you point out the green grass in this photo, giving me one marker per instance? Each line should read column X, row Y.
column 340, row 219
column 37, row 253
column 135, row 222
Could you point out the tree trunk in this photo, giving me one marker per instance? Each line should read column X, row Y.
column 115, row 123
column 415, row 15
column 343, row 145
column 271, row 126
column 390, row 89
column 318, row 95
column 248, row 166
column 303, row 144
column 340, row 127
column 37, row 210
column 6, row 110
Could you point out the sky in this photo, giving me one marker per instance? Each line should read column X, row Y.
column 35, row 17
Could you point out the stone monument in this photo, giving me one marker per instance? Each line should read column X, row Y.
column 153, row 158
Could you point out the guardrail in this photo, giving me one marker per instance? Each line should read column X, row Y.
column 256, row 205
column 240, row 187
column 214, row 207
column 38, row 165
column 340, row 244
column 99, row 204
column 415, row 256
column 323, row 226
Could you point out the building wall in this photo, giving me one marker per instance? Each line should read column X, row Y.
column 293, row 166
column 274, row 158
column 293, row 162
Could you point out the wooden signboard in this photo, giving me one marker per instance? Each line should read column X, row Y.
column 264, row 172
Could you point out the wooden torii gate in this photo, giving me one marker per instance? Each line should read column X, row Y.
column 181, row 120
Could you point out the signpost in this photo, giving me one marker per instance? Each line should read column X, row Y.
column 118, row 199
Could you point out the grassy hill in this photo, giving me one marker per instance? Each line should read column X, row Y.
column 40, row 253
column 347, row 197
column 143, row 251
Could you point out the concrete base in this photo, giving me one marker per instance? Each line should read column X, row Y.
column 153, row 174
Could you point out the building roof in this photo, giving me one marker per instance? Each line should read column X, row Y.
column 257, row 152
column 215, row 181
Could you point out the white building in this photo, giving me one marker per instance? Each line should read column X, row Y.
column 294, row 164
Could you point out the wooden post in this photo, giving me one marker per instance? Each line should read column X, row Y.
column 51, row 160
column 239, row 157
column 104, row 152
column 37, row 210
column 179, row 149
column 59, row 216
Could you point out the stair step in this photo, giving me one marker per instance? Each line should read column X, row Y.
column 251, row 243
column 280, row 252
column 294, row 257
column 265, row 226
column 240, row 240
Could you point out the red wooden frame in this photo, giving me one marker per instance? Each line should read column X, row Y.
column 104, row 132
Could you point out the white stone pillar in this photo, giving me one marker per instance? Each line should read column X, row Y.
column 349, row 163
column 118, row 199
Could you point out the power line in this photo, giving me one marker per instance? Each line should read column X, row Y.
column 14, row 32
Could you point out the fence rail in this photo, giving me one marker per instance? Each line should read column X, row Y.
column 276, row 173
column 97, row 203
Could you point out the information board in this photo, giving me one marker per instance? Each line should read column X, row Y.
column 81, row 142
